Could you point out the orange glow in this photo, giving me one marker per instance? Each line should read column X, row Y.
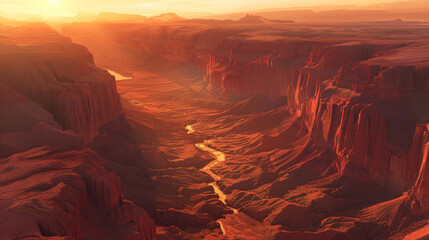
column 21, row 9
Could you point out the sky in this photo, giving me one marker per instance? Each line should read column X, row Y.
column 20, row 9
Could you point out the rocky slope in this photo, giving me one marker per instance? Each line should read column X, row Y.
column 60, row 77
column 66, row 194
column 53, row 101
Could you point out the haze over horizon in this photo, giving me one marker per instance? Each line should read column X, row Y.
column 24, row 9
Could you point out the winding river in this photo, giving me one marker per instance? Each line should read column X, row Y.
column 219, row 157
column 118, row 77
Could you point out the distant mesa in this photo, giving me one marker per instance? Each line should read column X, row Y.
column 209, row 21
column 166, row 17
column 118, row 17
column 255, row 19
column 85, row 17
column 10, row 22
column 108, row 17
column 121, row 17
column 335, row 15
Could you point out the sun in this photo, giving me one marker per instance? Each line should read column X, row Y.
column 53, row 2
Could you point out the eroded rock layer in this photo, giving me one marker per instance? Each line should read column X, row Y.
column 59, row 76
column 53, row 101
column 69, row 194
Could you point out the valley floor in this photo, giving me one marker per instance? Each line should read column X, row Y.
column 272, row 175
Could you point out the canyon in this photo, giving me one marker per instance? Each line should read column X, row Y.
column 248, row 129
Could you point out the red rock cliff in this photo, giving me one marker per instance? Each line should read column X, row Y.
column 53, row 99
column 60, row 77
column 51, row 193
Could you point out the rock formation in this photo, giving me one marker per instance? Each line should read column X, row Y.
column 52, row 193
column 60, row 77
column 53, row 100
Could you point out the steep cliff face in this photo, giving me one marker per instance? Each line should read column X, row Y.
column 382, row 81
column 418, row 162
column 50, row 193
column 22, row 123
column 422, row 183
column 59, row 76
column 53, row 100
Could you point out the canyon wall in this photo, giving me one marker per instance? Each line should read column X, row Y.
column 53, row 100
column 66, row 194
column 60, row 77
